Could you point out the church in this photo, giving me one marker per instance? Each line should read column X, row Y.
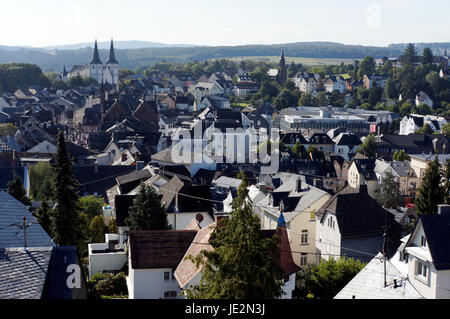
column 279, row 75
column 107, row 73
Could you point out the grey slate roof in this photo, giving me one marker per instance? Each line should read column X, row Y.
column 226, row 182
column 402, row 168
column 22, row 274
column 112, row 55
column 11, row 212
column 7, row 175
column 369, row 283
column 437, row 231
column 96, row 56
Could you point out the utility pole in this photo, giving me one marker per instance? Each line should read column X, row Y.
column 384, row 256
column 24, row 233
column 25, row 226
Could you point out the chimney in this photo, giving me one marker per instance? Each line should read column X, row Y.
column 298, row 186
column 13, row 161
column 219, row 217
column 443, row 209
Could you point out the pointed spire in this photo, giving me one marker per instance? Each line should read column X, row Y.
column 112, row 55
column 96, row 57
column 281, row 221
column 64, row 72
column 285, row 259
column 282, row 55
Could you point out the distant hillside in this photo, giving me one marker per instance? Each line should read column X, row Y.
column 117, row 45
column 132, row 58
column 436, row 47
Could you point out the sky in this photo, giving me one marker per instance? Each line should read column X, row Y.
column 224, row 22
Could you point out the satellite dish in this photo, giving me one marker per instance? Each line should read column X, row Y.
column 199, row 217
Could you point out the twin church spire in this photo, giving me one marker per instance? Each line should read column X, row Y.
column 96, row 56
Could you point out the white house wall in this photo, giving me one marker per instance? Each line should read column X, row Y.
column 150, row 283
column 328, row 240
column 183, row 219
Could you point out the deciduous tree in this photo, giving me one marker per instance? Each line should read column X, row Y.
column 326, row 279
column 389, row 192
column 369, row 147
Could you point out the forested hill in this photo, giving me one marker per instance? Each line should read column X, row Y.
column 132, row 58
column 436, row 47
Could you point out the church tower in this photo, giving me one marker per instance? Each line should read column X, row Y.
column 112, row 66
column 282, row 73
column 64, row 75
column 96, row 65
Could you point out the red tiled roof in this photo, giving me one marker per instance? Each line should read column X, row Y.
column 187, row 270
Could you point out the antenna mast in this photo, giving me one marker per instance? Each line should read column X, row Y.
column 384, row 247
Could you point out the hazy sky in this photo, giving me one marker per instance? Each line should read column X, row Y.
column 224, row 22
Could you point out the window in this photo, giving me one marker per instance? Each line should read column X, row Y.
column 423, row 241
column 403, row 256
column 422, row 271
column 304, row 240
column 303, row 259
column 170, row 294
column 331, row 223
column 166, row 275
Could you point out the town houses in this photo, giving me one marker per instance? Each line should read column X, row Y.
column 312, row 150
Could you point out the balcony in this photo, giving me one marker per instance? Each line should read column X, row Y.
column 108, row 256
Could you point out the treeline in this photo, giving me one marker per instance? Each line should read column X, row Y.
column 21, row 75
column 133, row 58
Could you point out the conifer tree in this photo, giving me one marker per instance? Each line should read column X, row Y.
column 147, row 211
column 241, row 265
column 431, row 193
column 427, row 57
column 410, row 54
column 66, row 220
column 43, row 216
column 97, row 229
column 447, row 182
column 16, row 190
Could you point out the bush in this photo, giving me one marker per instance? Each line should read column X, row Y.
column 326, row 279
column 107, row 284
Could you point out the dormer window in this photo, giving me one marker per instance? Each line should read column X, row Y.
column 423, row 241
